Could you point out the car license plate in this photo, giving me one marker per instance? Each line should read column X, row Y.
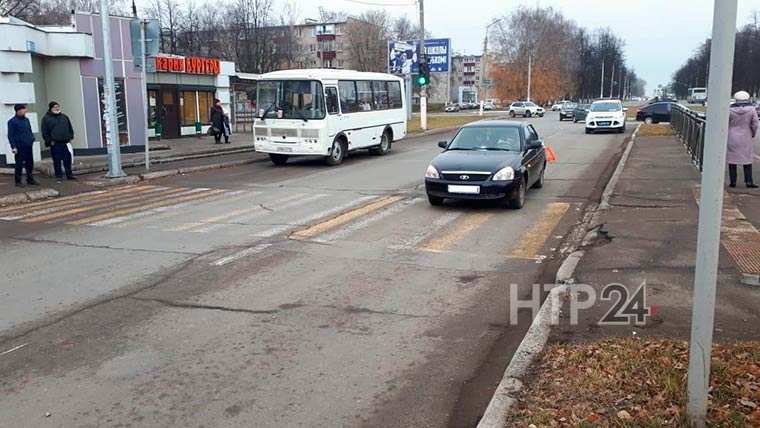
column 471, row 190
column 285, row 149
column 604, row 124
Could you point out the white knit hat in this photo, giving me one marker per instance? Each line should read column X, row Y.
column 741, row 96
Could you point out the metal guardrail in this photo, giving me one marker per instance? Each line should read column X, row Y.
column 690, row 127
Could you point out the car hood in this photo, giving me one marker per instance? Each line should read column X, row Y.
column 476, row 160
column 605, row 115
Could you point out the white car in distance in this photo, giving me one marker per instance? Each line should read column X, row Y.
column 525, row 109
column 606, row 115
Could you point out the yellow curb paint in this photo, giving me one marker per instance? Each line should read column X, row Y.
column 174, row 200
column 344, row 218
column 533, row 240
column 118, row 200
column 459, row 230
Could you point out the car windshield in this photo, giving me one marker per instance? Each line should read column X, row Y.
column 570, row 105
column 291, row 99
column 584, row 106
column 606, row 107
column 487, row 138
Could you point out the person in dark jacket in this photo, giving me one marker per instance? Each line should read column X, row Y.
column 21, row 139
column 57, row 132
column 217, row 121
column 227, row 130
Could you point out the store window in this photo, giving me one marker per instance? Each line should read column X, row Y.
column 121, row 111
column 152, row 108
column 205, row 102
column 188, row 101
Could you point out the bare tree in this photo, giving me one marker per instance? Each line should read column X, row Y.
column 327, row 15
column 367, row 38
column 19, row 8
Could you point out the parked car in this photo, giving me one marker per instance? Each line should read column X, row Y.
column 452, row 108
column 525, row 109
column 606, row 115
column 580, row 112
column 489, row 105
column 567, row 111
column 488, row 160
column 654, row 113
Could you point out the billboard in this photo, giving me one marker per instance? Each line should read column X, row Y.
column 403, row 56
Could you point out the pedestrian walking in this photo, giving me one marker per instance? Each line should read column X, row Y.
column 57, row 132
column 227, row 130
column 742, row 128
column 217, row 121
column 21, row 139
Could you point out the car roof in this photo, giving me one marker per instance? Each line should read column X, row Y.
column 607, row 101
column 495, row 123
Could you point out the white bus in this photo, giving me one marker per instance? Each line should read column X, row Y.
column 697, row 95
column 327, row 113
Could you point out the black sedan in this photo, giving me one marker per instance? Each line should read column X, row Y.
column 580, row 112
column 567, row 111
column 488, row 160
column 654, row 113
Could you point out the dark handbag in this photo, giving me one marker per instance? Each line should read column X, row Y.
column 213, row 131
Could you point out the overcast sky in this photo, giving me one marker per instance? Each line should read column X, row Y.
column 659, row 34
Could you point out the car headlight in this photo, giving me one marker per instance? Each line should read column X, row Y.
column 431, row 172
column 504, row 174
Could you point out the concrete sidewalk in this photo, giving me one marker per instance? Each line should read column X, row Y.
column 162, row 151
column 649, row 234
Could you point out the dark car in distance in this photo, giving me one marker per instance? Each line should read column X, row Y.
column 567, row 111
column 654, row 113
column 488, row 160
column 580, row 112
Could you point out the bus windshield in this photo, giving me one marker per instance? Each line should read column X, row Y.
column 291, row 99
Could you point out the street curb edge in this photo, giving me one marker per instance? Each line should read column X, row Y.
column 495, row 415
column 31, row 196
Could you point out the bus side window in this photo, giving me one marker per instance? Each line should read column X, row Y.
column 394, row 94
column 348, row 103
column 332, row 100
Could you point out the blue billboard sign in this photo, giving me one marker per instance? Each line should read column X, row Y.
column 403, row 56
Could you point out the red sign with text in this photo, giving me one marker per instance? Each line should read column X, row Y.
column 188, row 65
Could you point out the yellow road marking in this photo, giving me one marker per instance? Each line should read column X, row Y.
column 126, row 211
column 461, row 228
column 65, row 200
column 533, row 240
column 131, row 199
column 344, row 218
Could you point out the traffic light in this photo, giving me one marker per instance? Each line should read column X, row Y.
column 423, row 78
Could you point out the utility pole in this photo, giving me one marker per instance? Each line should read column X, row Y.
column 601, row 91
column 612, row 79
column 481, row 85
column 710, row 208
column 109, row 95
column 530, row 72
column 423, row 57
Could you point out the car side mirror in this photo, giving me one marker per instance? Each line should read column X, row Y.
column 443, row 144
column 535, row 144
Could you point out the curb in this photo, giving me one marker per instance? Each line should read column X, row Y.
column 108, row 182
column 537, row 335
column 34, row 195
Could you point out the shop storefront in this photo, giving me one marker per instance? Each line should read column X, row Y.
column 181, row 92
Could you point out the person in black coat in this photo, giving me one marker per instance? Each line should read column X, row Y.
column 217, row 121
column 57, row 132
column 21, row 139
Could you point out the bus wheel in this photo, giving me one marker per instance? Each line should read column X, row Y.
column 384, row 147
column 278, row 159
column 337, row 152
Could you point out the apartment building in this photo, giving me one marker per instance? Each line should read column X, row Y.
column 465, row 78
column 319, row 45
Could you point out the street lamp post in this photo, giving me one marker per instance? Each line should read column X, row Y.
column 482, row 87
column 710, row 209
column 109, row 98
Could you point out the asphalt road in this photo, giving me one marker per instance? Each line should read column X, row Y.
column 261, row 296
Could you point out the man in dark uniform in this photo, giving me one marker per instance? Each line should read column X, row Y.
column 57, row 132
column 21, row 139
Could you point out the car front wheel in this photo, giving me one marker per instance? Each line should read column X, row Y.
column 337, row 153
column 511, row 113
column 648, row 120
column 588, row 131
column 517, row 200
column 435, row 200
